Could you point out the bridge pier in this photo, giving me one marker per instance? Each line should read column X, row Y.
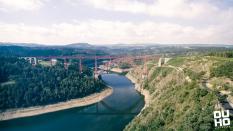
column 65, row 64
column 96, row 74
column 108, row 66
column 163, row 61
column 145, row 70
column 35, row 61
column 80, row 66
column 31, row 60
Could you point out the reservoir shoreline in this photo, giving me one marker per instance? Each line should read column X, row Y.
column 38, row 110
column 142, row 91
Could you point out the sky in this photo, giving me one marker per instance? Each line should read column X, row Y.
column 117, row 21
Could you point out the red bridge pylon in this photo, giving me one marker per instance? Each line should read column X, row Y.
column 80, row 66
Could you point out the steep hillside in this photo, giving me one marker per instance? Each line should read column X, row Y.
column 181, row 97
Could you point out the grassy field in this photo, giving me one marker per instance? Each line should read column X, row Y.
column 45, row 63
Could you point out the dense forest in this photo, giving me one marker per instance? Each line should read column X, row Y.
column 24, row 85
column 46, row 51
column 87, row 49
column 226, row 54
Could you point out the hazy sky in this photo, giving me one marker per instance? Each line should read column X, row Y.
column 117, row 21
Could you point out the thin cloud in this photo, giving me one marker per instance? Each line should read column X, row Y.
column 16, row 5
column 187, row 9
column 99, row 32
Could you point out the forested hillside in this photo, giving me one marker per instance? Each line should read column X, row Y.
column 184, row 93
column 227, row 54
column 24, row 85
column 46, row 51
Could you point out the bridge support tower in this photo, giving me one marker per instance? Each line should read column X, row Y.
column 80, row 66
column 96, row 75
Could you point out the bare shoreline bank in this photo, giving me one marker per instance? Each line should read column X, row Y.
column 38, row 110
column 144, row 92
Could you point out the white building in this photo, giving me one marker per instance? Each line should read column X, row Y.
column 163, row 61
column 53, row 62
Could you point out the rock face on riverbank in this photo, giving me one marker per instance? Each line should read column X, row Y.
column 138, row 87
column 32, row 111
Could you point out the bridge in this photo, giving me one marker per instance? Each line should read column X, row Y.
column 111, row 60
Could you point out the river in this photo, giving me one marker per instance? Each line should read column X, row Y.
column 111, row 114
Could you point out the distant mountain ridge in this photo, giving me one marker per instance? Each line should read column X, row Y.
column 120, row 45
column 21, row 44
column 73, row 45
column 80, row 45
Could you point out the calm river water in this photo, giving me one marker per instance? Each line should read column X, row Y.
column 111, row 114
